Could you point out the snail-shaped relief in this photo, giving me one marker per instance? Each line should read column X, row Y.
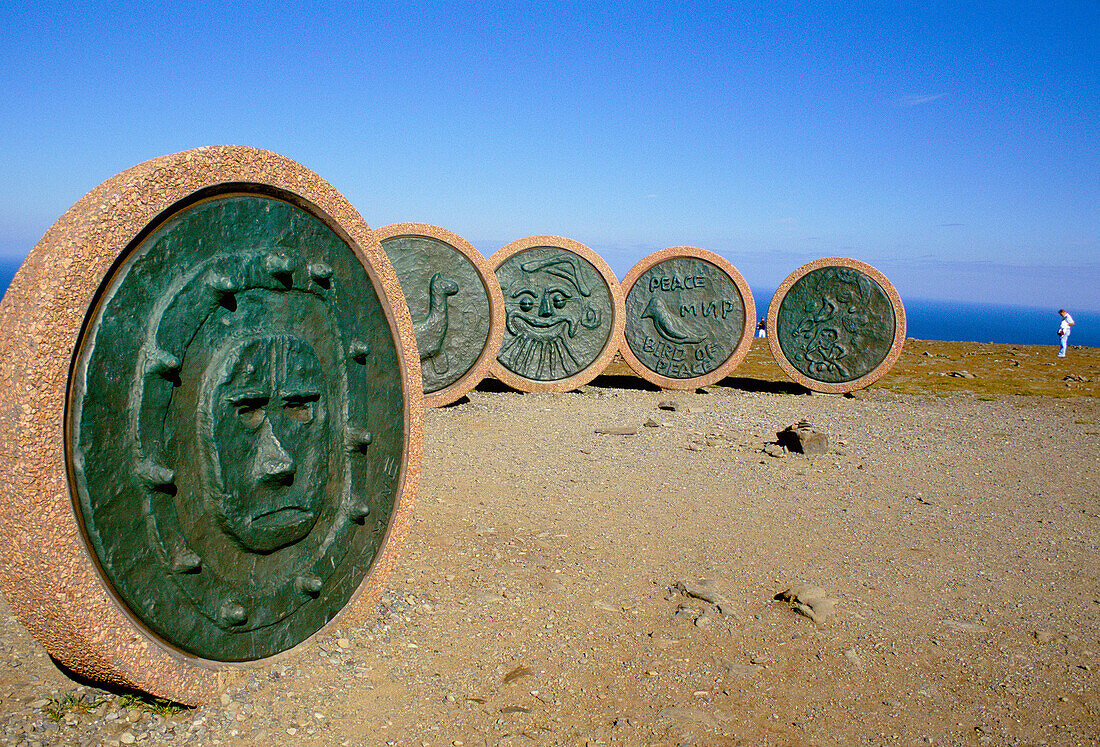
column 836, row 325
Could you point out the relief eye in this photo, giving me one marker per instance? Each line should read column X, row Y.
column 526, row 303
column 251, row 416
column 559, row 301
column 300, row 409
column 299, row 412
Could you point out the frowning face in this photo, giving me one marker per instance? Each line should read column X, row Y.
column 271, row 439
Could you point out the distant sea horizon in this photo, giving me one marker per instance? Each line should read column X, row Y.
column 926, row 319
column 963, row 321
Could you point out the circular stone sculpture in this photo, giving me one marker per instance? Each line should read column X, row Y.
column 836, row 325
column 688, row 318
column 563, row 314
column 211, row 408
column 455, row 302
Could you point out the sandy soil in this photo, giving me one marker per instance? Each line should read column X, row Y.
column 537, row 600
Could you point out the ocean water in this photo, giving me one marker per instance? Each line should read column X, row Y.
column 929, row 320
column 957, row 321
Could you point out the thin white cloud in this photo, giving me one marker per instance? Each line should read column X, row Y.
column 920, row 99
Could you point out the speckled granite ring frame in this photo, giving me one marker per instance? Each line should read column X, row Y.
column 618, row 312
column 51, row 578
column 892, row 353
column 741, row 347
column 481, row 366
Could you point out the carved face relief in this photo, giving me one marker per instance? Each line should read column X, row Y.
column 271, row 438
column 236, row 427
column 551, row 310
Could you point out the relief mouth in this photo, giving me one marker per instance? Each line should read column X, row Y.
column 281, row 518
column 537, row 326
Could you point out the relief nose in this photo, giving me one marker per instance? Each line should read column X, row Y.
column 544, row 307
column 273, row 462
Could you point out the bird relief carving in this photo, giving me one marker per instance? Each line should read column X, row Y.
column 432, row 329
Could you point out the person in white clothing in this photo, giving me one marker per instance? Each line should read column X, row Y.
column 1063, row 331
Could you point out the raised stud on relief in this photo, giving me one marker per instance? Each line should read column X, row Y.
column 359, row 512
column 358, row 439
column 309, row 584
column 281, row 267
column 182, row 559
column 359, row 351
column 154, row 475
column 160, row 362
column 232, row 613
column 320, row 273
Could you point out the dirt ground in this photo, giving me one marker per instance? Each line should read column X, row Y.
column 545, row 594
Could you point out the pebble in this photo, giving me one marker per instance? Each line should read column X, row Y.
column 617, row 430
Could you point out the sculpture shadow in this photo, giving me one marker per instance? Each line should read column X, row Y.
column 636, row 383
column 746, row 384
column 133, row 698
column 493, row 386
column 623, row 381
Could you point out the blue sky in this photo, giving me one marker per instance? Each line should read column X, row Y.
column 954, row 146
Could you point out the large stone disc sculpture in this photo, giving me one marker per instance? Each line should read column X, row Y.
column 689, row 316
column 563, row 314
column 211, row 409
column 455, row 302
column 836, row 325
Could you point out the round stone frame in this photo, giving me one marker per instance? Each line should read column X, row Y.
column 51, row 579
column 892, row 354
column 484, row 362
column 740, row 350
column 614, row 339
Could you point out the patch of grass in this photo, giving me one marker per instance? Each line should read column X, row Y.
column 159, row 706
column 71, row 703
column 987, row 399
column 1085, row 422
column 924, row 364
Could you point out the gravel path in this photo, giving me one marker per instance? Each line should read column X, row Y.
column 537, row 601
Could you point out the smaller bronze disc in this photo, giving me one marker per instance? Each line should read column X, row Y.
column 688, row 318
column 455, row 302
column 563, row 314
column 836, row 325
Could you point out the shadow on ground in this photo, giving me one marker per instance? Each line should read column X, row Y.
column 759, row 385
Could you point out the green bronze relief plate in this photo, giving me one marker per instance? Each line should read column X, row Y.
column 236, row 426
column 560, row 313
column 836, row 322
column 452, row 297
column 685, row 315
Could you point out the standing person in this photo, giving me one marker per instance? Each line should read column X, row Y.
column 1063, row 331
column 762, row 327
